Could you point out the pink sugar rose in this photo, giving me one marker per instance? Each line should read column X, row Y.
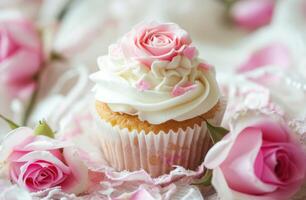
column 155, row 41
column 252, row 14
column 37, row 163
column 20, row 54
column 259, row 160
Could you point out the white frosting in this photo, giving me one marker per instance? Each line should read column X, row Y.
column 118, row 79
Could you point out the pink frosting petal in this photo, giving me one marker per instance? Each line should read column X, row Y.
column 143, row 85
column 180, row 90
column 190, row 52
column 205, row 66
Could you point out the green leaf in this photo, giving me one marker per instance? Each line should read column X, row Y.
column 216, row 133
column 43, row 129
column 11, row 124
column 205, row 180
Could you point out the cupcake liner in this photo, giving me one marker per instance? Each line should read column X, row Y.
column 156, row 153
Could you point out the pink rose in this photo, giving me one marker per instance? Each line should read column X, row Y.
column 252, row 14
column 258, row 159
column 154, row 41
column 20, row 54
column 38, row 162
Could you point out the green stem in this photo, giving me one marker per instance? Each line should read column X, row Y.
column 33, row 98
column 30, row 107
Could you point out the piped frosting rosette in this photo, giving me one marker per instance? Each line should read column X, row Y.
column 154, row 73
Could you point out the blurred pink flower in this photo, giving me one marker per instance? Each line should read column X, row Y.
column 20, row 54
column 276, row 54
column 37, row 163
column 252, row 14
column 258, row 159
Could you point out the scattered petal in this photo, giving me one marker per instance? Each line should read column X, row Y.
column 273, row 54
column 143, row 85
column 190, row 52
column 180, row 90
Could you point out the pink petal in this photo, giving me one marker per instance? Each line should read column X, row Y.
column 269, row 163
column 273, row 54
column 180, row 90
column 7, row 45
column 205, row 66
column 25, row 34
column 45, row 156
column 252, row 14
column 238, row 168
column 190, row 52
column 296, row 164
column 78, row 180
column 143, row 85
column 17, row 73
column 22, row 66
column 273, row 131
column 22, row 90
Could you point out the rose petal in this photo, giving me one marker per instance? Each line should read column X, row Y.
column 15, row 138
column 7, row 45
column 29, row 38
column 241, row 157
column 252, row 14
column 273, row 54
column 274, row 132
column 45, row 143
column 45, row 156
column 77, row 182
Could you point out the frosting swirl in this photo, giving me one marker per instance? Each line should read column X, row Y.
column 179, row 89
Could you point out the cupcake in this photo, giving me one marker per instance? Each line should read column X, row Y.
column 153, row 94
